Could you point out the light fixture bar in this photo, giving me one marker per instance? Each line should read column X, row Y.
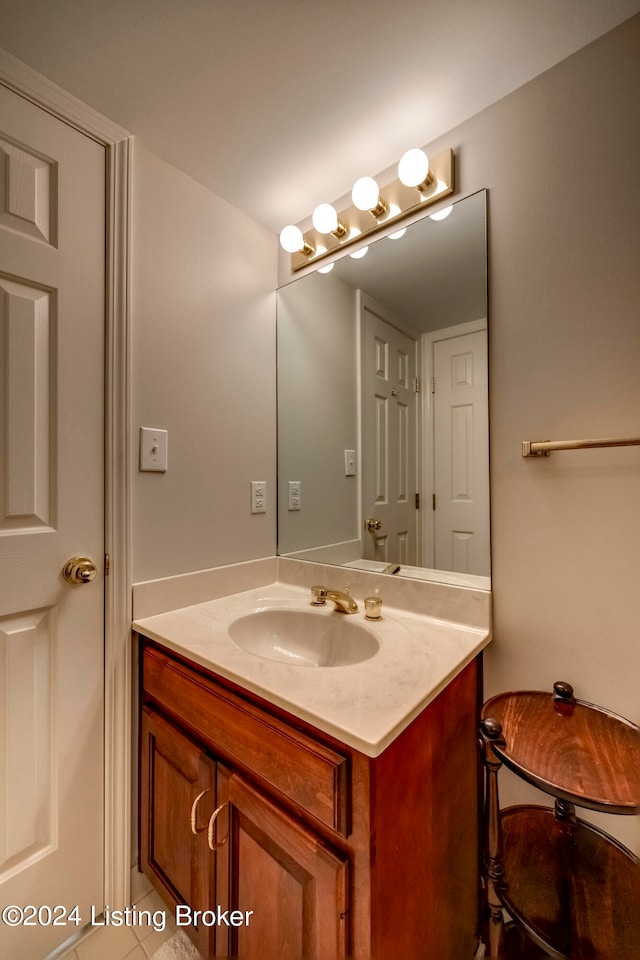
column 402, row 201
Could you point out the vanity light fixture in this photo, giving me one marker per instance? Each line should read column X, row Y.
column 421, row 182
column 325, row 220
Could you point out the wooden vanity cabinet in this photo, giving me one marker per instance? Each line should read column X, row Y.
column 335, row 853
column 176, row 772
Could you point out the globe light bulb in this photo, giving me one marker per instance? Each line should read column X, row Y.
column 398, row 234
column 291, row 239
column 413, row 168
column 365, row 193
column 325, row 218
column 359, row 254
column 441, row 214
column 327, row 269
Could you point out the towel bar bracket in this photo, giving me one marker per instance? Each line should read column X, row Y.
column 528, row 452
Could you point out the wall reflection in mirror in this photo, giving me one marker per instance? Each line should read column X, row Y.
column 383, row 457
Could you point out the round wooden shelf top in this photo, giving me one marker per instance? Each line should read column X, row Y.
column 570, row 749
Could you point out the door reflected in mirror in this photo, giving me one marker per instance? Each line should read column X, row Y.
column 383, row 405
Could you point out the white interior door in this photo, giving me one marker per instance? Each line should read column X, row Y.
column 461, row 454
column 389, row 476
column 52, row 253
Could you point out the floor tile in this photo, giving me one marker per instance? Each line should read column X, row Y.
column 108, row 943
column 137, row 954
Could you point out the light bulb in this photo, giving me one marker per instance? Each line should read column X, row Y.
column 325, row 218
column 413, row 168
column 365, row 193
column 394, row 211
column 327, row 269
column 359, row 254
column 291, row 239
column 441, row 214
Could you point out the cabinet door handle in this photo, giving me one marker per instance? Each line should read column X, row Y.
column 212, row 825
column 194, row 814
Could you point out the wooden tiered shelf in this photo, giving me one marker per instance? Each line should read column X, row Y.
column 573, row 889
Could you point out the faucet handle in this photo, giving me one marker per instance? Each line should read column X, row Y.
column 373, row 608
column 318, row 596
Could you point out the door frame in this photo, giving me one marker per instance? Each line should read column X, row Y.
column 429, row 339
column 118, row 144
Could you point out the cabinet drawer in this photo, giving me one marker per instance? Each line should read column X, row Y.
column 301, row 769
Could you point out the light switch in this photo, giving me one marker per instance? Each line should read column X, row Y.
column 153, row 449
column 349, row 463
column 294, row 495
column 258, row 496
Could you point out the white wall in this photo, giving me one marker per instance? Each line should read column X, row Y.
column 204, row 278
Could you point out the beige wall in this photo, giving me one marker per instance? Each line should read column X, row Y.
column 560, row 159
column 204, row 278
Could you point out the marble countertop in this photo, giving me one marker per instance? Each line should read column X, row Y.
column 365, row 705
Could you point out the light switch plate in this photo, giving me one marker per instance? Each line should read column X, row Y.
column 349, row 463
column 153, row 449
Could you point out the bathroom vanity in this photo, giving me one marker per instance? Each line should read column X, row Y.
column 298, row 830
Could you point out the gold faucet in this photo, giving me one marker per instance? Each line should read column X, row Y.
column 341, row 598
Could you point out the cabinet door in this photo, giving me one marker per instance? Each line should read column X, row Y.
column 295, row 884
column 174, row 853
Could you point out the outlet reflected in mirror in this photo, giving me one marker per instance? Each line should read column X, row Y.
column 383, row 405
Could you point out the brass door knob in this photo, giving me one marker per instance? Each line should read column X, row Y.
column 79, row 570
column 373, row 524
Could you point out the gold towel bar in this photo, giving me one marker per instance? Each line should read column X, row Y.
column 543, row 448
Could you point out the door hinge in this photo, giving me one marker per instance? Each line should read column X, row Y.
column 417, row 501
column 417, row 384
column 107, row 564
column 433, row 384
column 434, row 501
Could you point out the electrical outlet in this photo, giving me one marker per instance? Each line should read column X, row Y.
column 258, row 496
column 294, row 495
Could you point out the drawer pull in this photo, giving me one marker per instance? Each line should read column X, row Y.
column 194, row 814
column 212, row 825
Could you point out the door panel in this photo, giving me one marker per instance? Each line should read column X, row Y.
column 296, row 884
column 389, row 482
column 461, row 472
column 52, row 251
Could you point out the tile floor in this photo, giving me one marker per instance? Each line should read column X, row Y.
column 139, row 941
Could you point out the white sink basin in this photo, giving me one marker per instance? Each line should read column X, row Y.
column 306, row 638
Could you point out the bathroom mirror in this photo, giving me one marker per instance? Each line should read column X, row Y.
column 383, row 406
